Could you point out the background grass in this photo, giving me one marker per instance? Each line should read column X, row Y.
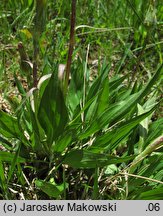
column 102, row 138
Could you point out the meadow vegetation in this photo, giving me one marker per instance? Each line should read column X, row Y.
column 81, row 99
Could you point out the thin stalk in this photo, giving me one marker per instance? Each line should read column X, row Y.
column 142, row 177
column 71, row 44
column 35, row 57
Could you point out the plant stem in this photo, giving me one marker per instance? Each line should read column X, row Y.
column 35, row 57
column 71, row 44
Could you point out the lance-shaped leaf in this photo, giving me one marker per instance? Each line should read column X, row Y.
column 52, row 113
column 113, row 138
column 88, row 159
column 118, row 110
column 50, row 189
column 9, row 127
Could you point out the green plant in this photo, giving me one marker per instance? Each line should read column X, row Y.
column 84, row 138
column 51, row 131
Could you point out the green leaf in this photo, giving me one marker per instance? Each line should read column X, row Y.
column 155, row 130
column 43, row 83
column 38, row 136
column 63, row 142
column 100, row 87
column 111, row 169
column 19, row 86
column 143, row 128
column 118, row 110
column 114, row 113
column 113, row 138
column 153, row 146
column 30, row 2
column 74, row 96
column 115, row 82
column 87, row 106
column 50, row 189
column 103, row 98
column 87, row 159
column 13, row 164
column 3, row 182
column 154, row 194
column 52, row 113
column 6, row 143
column 9, row 157
column 147, row 169
column 9, row 127
column 95, row 87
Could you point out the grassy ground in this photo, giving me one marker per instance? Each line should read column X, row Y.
column 85, row 124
